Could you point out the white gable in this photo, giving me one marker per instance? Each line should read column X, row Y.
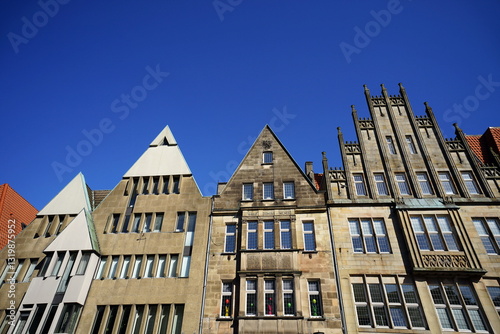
column 76, row 236
column 71, row 200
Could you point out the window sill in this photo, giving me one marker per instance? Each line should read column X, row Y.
column 280, row 317
column 269, row 250
column 316, row 319
column 224, row 319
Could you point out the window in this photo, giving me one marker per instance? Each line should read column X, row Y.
column 489, row 232
column 270, row 297
column 135, row 225
column 269, row 235
column 158, row 222
column 156, row 181
column 136, row 271
column 267, row 157
column 448, row 187
column 230, row 238
column 125, row 266
column 145, row 187
column 411, row 146
column 369, row 235
column 386, row 302
column 21, row 322
column 18, row 269
column 402, row 184
column 45, row 265
column 37, row 318
column 470, row 183
column 289, row 190
column 286, row 234
column 114, row 225
column 359, row 184
column 69, row 318
column 176, row 188
column 148, row 272
column 247, row 191
column 112, row 268
column 309, row 238
column 150, row 320
column 252, row 235
column 288, row 297
column 177, row 321
column 268, row 189
column 50, row 317
column 165, row 185
column 179, row 227
column 84, row 262
column 136, row 324
column 434, row 233
column 423, row 180
column 251, row 296
column 110, row 324
column 60, row 258
column 165, row 312
column 125, row 224
column 162, row 264
column 380, row 183
column 457, row 307
column 31, row 269
column 390, row 145
column 102, row 265
column 172, row 268
column 227, row 299
column 315, row 305
column 147, row 222
column 494, row 292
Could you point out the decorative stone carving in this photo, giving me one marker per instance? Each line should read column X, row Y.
column 455, row 145
column 445, row 261
column 423, row 121
column 378, row 101
column 337, row 175
column 266, row 144
column 491, row 172
column 397, row 100
column 365, row 123
column 352, row 148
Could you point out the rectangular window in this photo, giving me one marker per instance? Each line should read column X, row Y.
column 64, row 281
column 158, row 222
column 45, row 265
column 145, row 186
column 136, row 271
column 156, row 181
column 402, row 184
column 136, row 325
column 227, row 299
column 37, row 318
column 285, row 234
column 434, row 233
column 267, row 157
column 309, row 238
column 269, row 235
column 148, row 272
column 186, row 265
column 124, row 319
column 289, row 190
column 150, row 320
column 411, row 146
column 69, row 318
column 247, row 191
column 110, row 323
column 176, row 186
column 57, row 266
column 102, row 266
column 49, row 319
column 137, row 221
column 252, row 235
column 251, row 296
column 390, row 145
column 270, row 296
column 470, row 183
column 359, row 184
column 165, row 185
column 162, row 265
column 315, row 304
column 423, row 181
column 165, row 312
column 380, row 183
column 369, row 235
column 494, row 292
column 125, row 224
column 489, row 232
column 114, row 224
column 288, row 297
column 448, row 187
column 230, row 238
column 386, row 302
column 84, row 262
column 147, row 223
column 178, row 316
column 268, row 189
column 112, row 268
column 125, row 267
column 179, row 227
column 457, row 307
column 172, row 268
column 21, row 322
column 31, row 269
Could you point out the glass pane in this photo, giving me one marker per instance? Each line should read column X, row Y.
column 308, row 227
column 366, row 226
column 416, row 317
column 392, row 293
column 158, row 222
column 286, row 240
column 270, row 304
column 437, row 243
column 436, row 294
column 444, row 318
column 430, row 223
column 383, row 245
column 124, row 319
column 452, row 294
column 494, row 226
column 380, row 316
column 315, row 305
column 495, row 294
column 354, row 227
column 251, row 304
column 313, row 286
column 357, row 244
column 177, row 321
column 375, row 293
column 477, row 320
column 309, row 242
column 363, row 316
column 147, row 223
column 162, row 263
column 165, row 311
column 289, row 308
column 468, row 295
column 423, row 242
column 450, row 241
column 359, row 292
column 150, row 322
column 398, row 317
column 370, row 244
column 416, row 223
column 409, row 293
column 460, row 319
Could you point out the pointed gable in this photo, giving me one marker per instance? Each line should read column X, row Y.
column 163, row 157
column 80, row 234
column 268, row 162
column 71, row 200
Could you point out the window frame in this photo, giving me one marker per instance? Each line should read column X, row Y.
column 411, row 145
column 436, row 234
column 249, row 292
column 230, row 236
column 290, row 193
column 371, row 234
column 267, row 157
column 314, row 297
column 402, row 184
column 424, row 184
column 252, row 235
column 487, row 234
column 381, row 184
column 226, row 310
column 269, row 231
column 390, row 145
column 285, row 234
column 268, row 187
column 311, row 233
column 359, row 184
column 247, row 192
column 446, row 182
column 470, row 182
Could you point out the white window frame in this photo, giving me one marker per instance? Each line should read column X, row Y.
column 390, row 145
column 269, row 230
column 230, row 235
column 288, row 190
column 270, row 292
column 315, row 295
column 447, row 183
column 253, row 231
column 434, row 230
column 268, row 187
column 403, row 186
column 359, row 184
column 425, row 185
column 288, row 291
column 470, row 183
column 251, row 291
column 226, row 311
column 310, row 233
column 265, row 157
column 381, row 184
column 488, row 230
column 369, row 232
column 411, row 145
column 247, row 192
column 284, row 231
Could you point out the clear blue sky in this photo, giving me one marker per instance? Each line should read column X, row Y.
column 222, row 70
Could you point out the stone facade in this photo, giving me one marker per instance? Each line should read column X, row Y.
column 404, row 237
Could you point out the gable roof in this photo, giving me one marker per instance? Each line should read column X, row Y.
column 163, row 157
column 482, row 145
column 70, row 200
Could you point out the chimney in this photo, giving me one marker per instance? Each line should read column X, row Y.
column 309, row 170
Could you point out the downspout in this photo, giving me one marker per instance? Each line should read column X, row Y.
column 200, row 329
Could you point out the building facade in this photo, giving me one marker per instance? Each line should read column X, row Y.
column 404, row 237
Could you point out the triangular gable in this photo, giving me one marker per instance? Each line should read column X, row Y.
column 267, row 131
column 163, row 157
column 70, row 200
column 78, row 235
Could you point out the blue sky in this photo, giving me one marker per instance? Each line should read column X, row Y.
column 218, row 71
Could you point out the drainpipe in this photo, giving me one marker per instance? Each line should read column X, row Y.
column 200, row 329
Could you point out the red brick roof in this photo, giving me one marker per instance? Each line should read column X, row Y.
column 481, row 144
column 317, row 180
column 14, row 210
